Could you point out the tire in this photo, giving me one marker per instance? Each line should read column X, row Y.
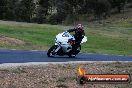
column 71, row 55
column 50, row 52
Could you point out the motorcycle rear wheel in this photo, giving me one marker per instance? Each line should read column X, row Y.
column 71, row 55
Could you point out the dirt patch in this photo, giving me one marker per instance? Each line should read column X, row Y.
column 10, row 41
column 61, row 75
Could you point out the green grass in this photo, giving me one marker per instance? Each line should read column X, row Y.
column 35, row 36
column 108, row 38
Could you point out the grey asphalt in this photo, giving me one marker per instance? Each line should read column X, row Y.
column 25, row 56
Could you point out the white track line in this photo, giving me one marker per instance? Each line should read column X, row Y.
column 8, row 65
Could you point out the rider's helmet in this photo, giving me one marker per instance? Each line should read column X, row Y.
column 79, row 28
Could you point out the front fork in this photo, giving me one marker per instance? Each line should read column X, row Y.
column 58, row 47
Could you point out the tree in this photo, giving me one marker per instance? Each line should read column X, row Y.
column 25, row 10
column 130, row 3
column 3, row 8
column 68, row 10
column 42, row 10
column 100, row 8
column 10, row 12
column 119, row 4
column 62, row 10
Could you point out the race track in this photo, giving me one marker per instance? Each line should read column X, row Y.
column 25, row 56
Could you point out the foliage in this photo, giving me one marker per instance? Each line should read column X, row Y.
column 53, row 19
column 57, row 11
column 42, row 11
column 119, row 4
column 3, row 8
column 25, row 10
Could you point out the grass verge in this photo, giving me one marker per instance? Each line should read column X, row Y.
column 106, row 38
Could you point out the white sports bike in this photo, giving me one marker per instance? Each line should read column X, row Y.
column 63, row 45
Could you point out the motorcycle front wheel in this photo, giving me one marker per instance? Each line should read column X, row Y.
column 51, row 51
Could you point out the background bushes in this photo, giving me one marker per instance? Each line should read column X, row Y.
column 58, row 11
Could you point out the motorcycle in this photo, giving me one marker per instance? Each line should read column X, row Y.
column 64, row 43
